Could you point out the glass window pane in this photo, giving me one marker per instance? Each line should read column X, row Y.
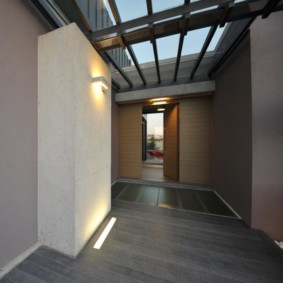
column 161, row 5
column 130, row 9
column 144, row 52
column 194, row 41
column 216, row 38
column 167, row 46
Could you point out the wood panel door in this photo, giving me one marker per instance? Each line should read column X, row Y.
column 130, row 141
column 171, row 142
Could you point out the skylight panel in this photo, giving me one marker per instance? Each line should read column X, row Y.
column 167, row 46
column 107, row 7
column 194, row 41
column 131, row 9
column 144, row 52
column 216, row 38
column 158, row 5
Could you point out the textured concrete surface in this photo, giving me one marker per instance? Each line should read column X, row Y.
column 74, row 141
column 191, row 89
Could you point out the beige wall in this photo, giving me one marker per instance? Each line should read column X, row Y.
column 74, row 140
column 231, row 134
column 130, row 141
column 195, row 152
column 19, row 29
column 267, row 113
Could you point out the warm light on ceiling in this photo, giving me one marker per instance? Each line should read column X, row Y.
column 104, row 234
column 101, row 83
column 159, row 99
column 159, row 103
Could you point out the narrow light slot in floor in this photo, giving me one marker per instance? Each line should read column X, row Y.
column 104, row 234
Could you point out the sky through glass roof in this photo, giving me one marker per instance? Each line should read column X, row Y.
column 167, row 46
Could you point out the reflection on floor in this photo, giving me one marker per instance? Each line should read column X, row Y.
column 153, row 172
column 194, row 199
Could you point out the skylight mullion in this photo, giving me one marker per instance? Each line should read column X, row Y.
column 180, row 47
column 115, row 84
column 163, row 15
column 203, row 50
column 226, row 14
column 117, row 18
column 269, row 7
column 119, row 69
column 231, row 49
column 153, row 40
column 181, row 42
column 135, row 60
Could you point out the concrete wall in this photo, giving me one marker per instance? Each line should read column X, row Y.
column 267, row 111
column 19, row 28
column 74, row 140
column 195, row 140
column 231, row 132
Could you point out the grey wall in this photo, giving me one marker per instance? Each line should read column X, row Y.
column 267, row 109
column 19, row 28
column 231, row 132
column 114, row 139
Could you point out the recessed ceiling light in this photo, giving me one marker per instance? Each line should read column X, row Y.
column 159, row 99
column 159, row 102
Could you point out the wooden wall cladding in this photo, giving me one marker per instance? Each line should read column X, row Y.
column 195, row 140
column 130, row 141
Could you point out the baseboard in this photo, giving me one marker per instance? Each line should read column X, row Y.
column 16, row 261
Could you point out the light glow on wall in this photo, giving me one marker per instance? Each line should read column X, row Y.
column 159, row 103
column 104, row 234
column 159, row 99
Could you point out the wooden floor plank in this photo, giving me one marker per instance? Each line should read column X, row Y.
column 152, row 244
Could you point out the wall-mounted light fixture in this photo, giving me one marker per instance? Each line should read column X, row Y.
column 101, row 82
column 161, row 109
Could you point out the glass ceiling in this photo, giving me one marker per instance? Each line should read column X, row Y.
column 167, row 46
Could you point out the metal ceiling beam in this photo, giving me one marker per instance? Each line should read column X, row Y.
column 269, row 8
column 118, row 21
column 119, row 69
column 203, row 50
column 116, row 85
column 226, row 14
column 231, row 49
column 163, row 15
column 135, row 60
column 153, row 40
column 200, row 20
column 186, row 19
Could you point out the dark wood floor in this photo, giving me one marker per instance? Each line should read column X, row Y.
column 153, row 244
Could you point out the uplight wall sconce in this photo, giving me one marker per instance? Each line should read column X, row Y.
column 101, row 82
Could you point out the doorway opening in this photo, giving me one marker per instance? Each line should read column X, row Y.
column 153, row 138
column 160, row 143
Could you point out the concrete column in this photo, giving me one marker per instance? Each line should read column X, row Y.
column 74, row 140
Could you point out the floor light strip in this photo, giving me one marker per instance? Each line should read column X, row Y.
column 104, row 234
